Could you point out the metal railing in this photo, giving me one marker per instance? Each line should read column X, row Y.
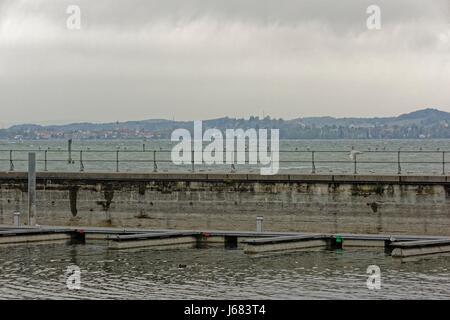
column 311, row 161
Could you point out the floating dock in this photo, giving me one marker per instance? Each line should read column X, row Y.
column 420, row 247
column 22, row 236
column 285, row 243
column 154, row 240
column 250, row 242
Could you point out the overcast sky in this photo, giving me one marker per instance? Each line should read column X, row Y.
column 199, row 59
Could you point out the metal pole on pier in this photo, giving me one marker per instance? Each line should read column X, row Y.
column 11, row 163
column 259, row 223
column 31, row 189
column 155, row 166
column 443, row 163
column 69, row 150
column 16, row 219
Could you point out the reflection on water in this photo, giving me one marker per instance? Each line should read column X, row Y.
column 38, row 272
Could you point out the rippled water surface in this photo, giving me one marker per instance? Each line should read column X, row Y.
column 331, row 156
column 38, row 272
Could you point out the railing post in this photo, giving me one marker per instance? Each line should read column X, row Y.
column 355, row 171
column 443, row 163
column 81, row 161
column 117, row 161
column 45, row 160
column 143, row 147
column 31, row 188
column 313, row 162
column 155, row 166
column 69, row 151
column 11, row 163
column 399, row 171
column 192, row 160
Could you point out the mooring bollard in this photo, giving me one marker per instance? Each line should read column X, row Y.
column 16, row 218
column 259, row 224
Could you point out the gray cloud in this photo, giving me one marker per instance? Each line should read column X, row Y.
column 201, row 59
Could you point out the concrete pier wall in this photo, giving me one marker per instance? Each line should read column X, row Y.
column 301, row 203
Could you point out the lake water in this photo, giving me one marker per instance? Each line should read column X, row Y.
column 331, row 156
column 39, row 272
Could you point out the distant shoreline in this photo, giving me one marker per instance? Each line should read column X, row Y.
column 421, row 124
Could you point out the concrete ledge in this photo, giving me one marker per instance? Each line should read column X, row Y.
column 227, row 177
column 364, row 178
column 311, row 178
column 424, row 179
column 283, row 178
column 275, row 177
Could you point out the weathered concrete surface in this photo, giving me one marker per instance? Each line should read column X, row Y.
column 300, row 203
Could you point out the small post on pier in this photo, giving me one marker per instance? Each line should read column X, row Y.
column 259, row 224
column 31, row 189
column 16, row 219
column 399, row 171
column 313, row 163
column 69, row 151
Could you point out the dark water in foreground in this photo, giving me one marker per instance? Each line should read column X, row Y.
column 38, row 272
